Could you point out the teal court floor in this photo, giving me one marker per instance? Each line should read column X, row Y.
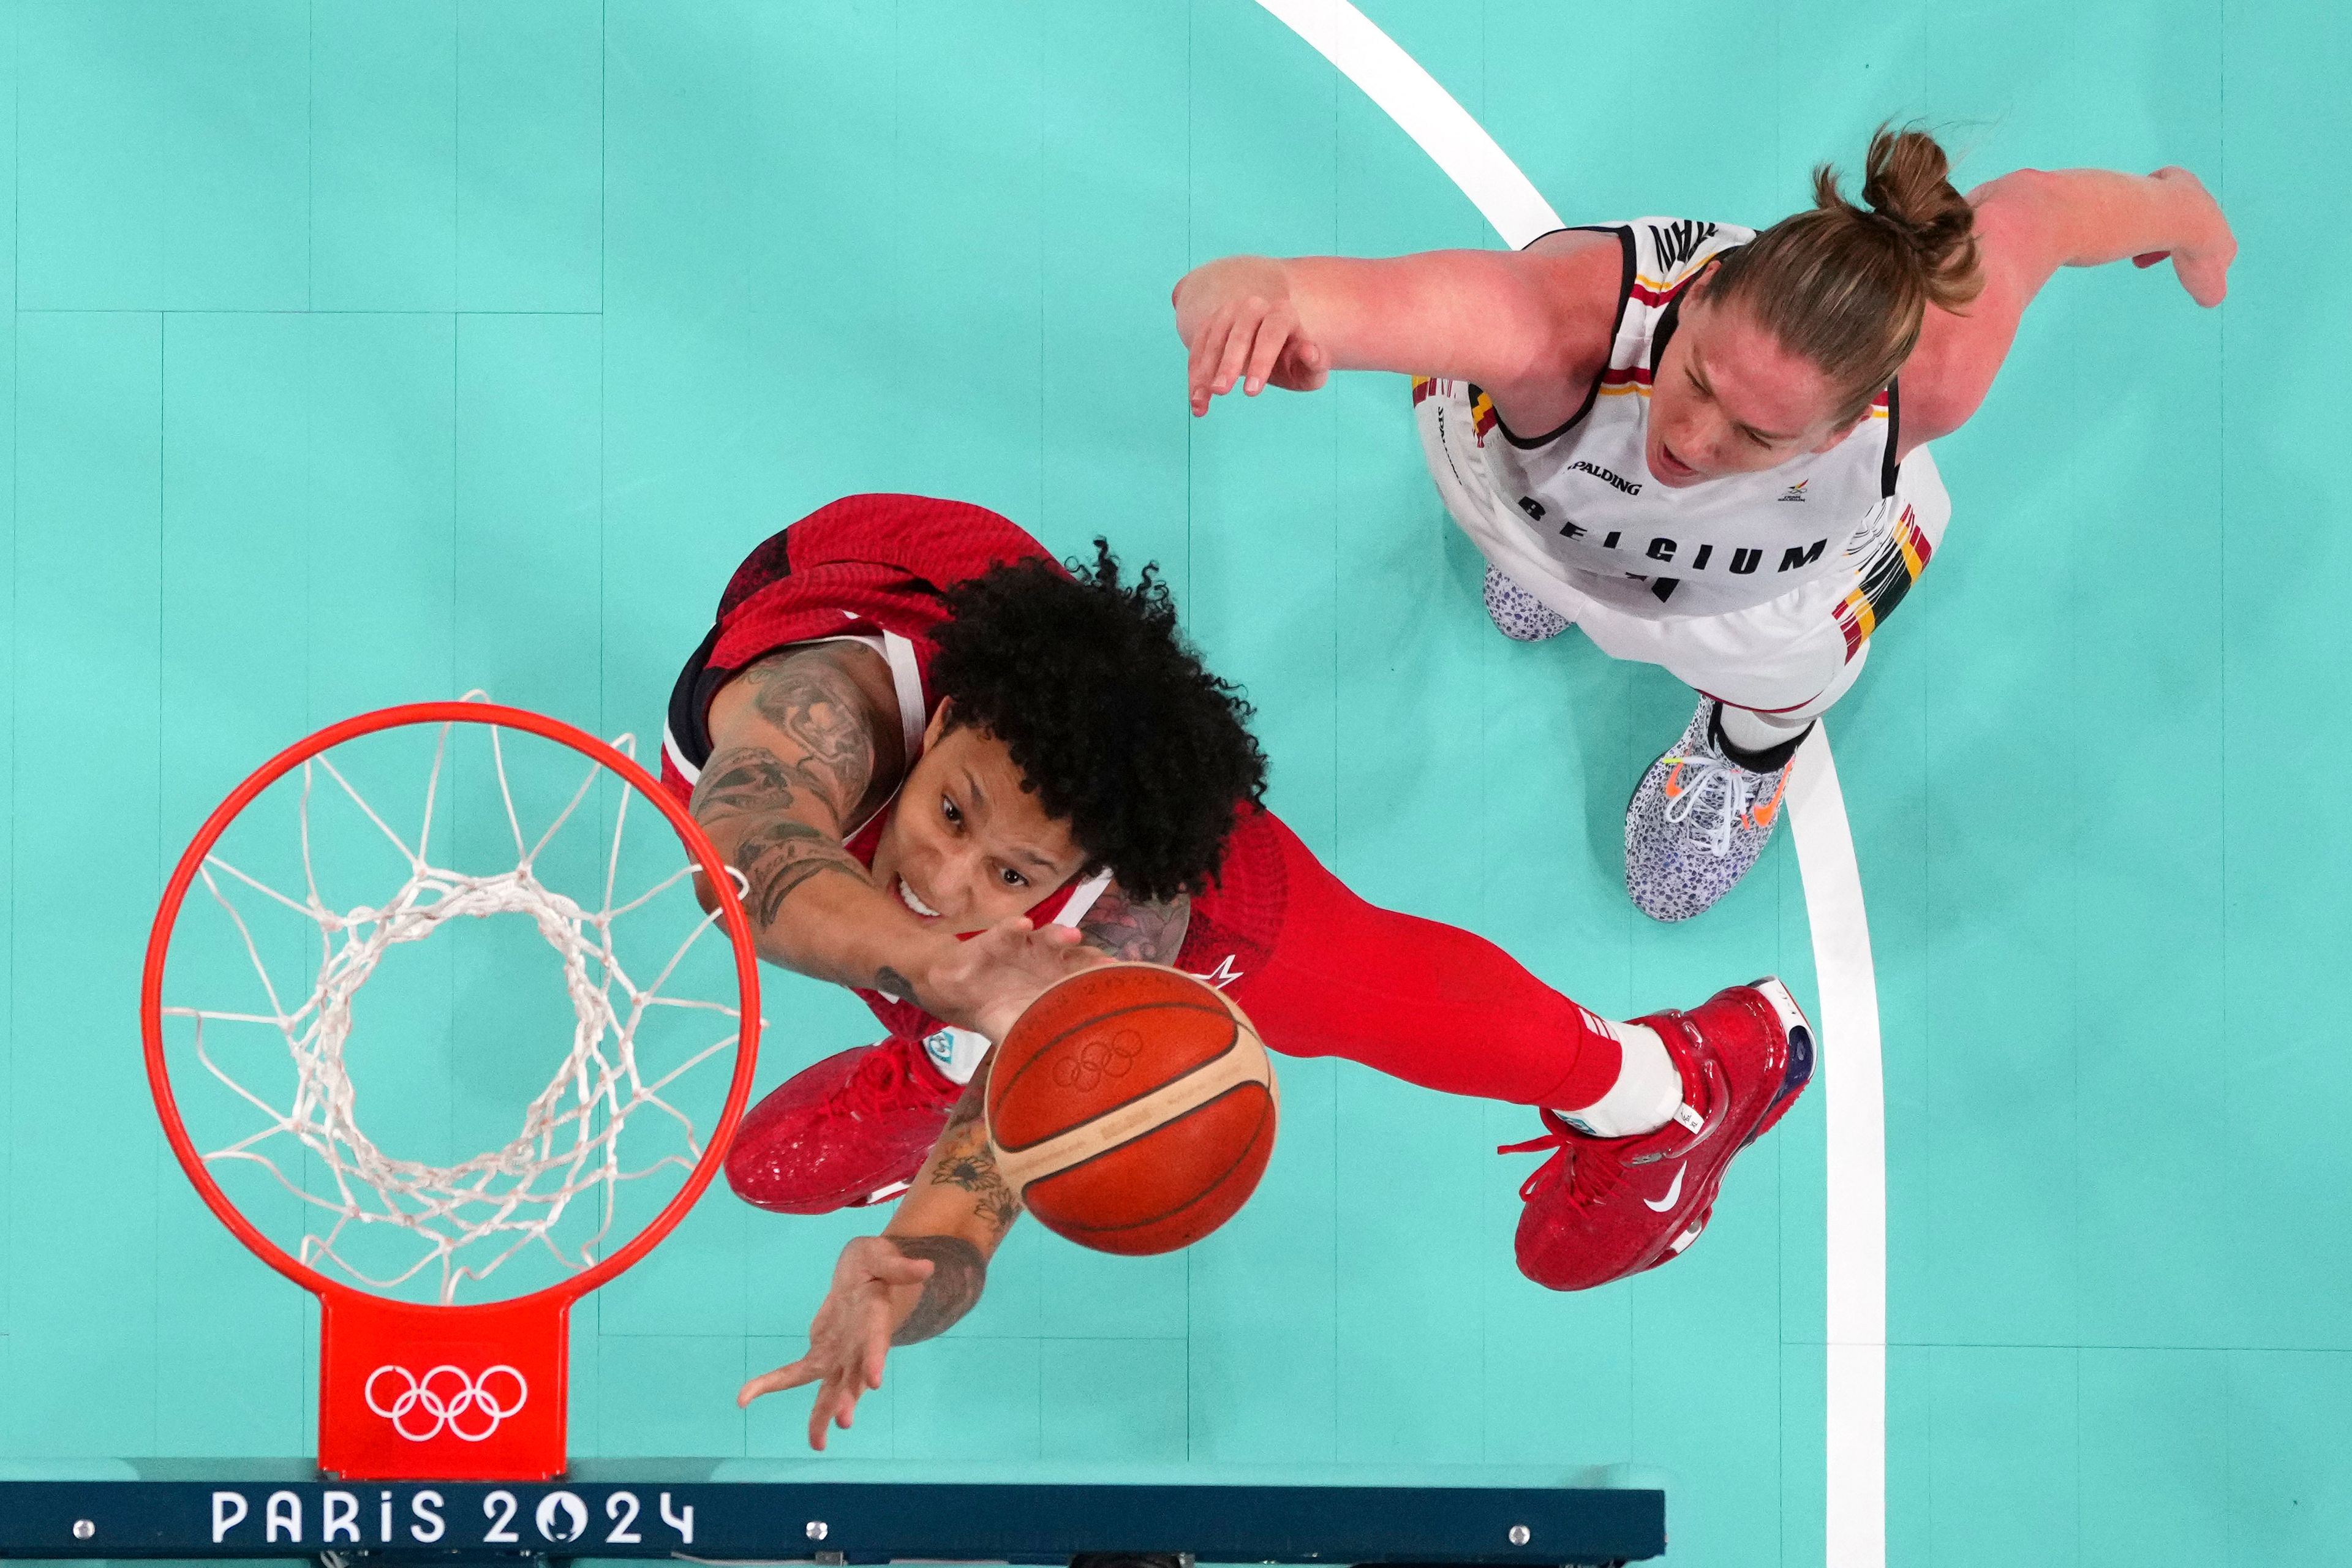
column 366, row 350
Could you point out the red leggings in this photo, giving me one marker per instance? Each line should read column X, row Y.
column 1324, row 974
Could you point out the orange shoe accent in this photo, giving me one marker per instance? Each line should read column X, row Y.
column 1673, row 785
column 1761, row 815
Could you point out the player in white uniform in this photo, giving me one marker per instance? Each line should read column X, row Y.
column 1691, row 439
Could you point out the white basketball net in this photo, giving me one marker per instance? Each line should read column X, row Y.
column 567, row 1143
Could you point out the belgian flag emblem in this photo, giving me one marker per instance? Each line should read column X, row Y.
column 1885, row 578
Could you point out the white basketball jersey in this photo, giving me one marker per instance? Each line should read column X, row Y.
column 1590, row 506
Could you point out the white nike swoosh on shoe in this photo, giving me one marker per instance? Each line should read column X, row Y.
column 1673, row 1193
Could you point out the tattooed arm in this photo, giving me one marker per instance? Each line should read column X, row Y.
column 914, row 1281
column 804, row 744
column 1135, row 930
column 959, row 1209
column 956, row 1216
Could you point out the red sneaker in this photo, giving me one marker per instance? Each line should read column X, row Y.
column 1601, row 1208
column 855, row 1129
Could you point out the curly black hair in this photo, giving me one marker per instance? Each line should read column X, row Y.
column 1108, row 713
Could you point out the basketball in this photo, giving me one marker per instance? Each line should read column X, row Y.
column 1132, row 1108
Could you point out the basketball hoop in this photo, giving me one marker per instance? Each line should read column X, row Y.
column 450, row 1389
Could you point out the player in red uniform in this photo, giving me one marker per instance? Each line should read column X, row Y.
column 949, row 772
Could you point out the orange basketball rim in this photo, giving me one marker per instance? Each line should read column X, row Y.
column 414, row 1391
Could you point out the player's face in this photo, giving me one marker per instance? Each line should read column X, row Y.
column 1728, row 399
column 966, row 844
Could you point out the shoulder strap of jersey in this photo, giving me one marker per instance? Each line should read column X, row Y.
column 1668, row 252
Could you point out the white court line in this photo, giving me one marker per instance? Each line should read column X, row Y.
column 1855, row 1439
column 1425, row 112
column 1847, row 984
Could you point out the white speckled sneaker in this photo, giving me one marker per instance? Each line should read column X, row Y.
column 1520, row 614
column 1698, row 822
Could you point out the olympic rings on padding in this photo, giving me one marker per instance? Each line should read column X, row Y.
column 460, row 1404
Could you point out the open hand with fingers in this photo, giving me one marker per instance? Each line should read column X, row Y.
column 875, row 1287
column 990, row 979
column 1239, row 323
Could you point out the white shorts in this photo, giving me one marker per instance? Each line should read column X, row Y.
column 1793, row 656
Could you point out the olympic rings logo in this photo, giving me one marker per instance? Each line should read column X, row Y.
column 448, row 1399
column 1098, row 1059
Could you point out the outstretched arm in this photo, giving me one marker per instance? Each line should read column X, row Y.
column 805, row 742
column 2030, row 223
column 1499, row 318
column 928, row 1268
column 912, row 1282
column 956, row 1215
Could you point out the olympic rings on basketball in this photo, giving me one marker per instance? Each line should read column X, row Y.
column 461, row 1406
